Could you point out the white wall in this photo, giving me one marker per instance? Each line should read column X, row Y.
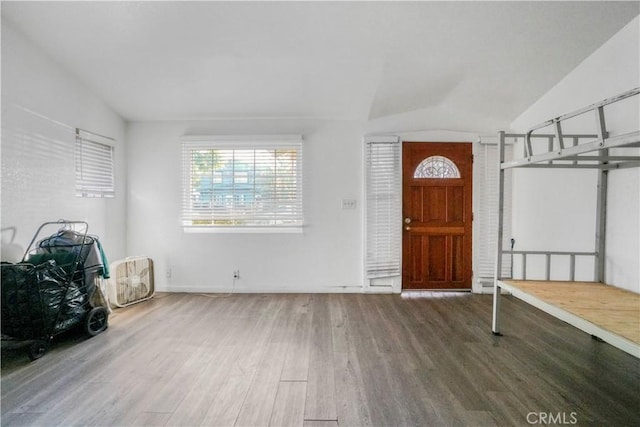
column 555, row 210
column 327, row 257
column 41, row 103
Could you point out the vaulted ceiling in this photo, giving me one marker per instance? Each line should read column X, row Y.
column 476, row 63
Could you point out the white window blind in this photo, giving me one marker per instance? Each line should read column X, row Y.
column 383, row 183
column 487, row 161
column 242, row 183
column 94, row 165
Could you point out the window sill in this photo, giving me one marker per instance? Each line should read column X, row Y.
column 243, row 230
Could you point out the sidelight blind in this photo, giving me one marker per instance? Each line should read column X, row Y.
column 383, row 183
column 94, row 165
column 487, row 162
column 242, row 183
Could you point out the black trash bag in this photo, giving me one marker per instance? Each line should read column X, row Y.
column 64, row 302
column 21, row 306
column 64, row 260
column 40, row 301
column 68, row 259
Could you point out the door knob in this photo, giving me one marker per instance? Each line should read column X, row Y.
column 407, row 220
column 407, row 228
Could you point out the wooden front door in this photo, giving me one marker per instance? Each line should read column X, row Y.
column 437, row 215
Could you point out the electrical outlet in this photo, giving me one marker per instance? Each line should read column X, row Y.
column 236, row 274
column 348, row 203
column 168, row 273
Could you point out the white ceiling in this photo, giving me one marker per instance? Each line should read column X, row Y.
column 475, row 63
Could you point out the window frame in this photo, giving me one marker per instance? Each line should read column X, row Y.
column 236, row 143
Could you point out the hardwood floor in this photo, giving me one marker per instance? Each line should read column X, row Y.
column 318, row 360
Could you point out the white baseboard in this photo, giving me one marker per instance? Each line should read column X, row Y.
column 338, row 289
column 264, row 290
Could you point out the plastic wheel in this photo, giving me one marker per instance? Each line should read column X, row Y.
column 96, row 321
column 36, row 350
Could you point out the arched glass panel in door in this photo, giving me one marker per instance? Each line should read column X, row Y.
column 436, row 167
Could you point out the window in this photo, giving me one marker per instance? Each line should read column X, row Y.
column 242, row 183
column 383, row 216
column 436, row 167
column 94, row 165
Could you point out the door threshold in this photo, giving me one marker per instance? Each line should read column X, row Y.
column 434, row 293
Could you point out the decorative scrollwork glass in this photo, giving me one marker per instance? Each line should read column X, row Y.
column 436, row 167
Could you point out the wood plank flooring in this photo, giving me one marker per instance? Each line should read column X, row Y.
column 322, row 360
